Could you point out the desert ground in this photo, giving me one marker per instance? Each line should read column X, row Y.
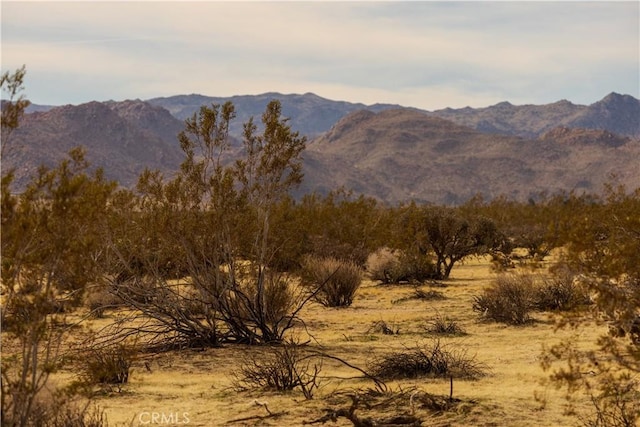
column 196, row 386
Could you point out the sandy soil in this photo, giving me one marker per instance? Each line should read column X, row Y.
column 195, row 388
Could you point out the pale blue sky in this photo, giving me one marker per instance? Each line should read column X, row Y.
column 424, row 54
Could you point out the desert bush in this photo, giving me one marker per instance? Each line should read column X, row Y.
column 616, row 403
column 283, row 368
column 414, row 269
column 107, row 365
column 381, row 264
column 382, row 327
column 396, row 267
column 510, row 299
column 422, row 295
column 430, row 360
column 59, row 411
column 335, row 281
column 501, row 262
column 560, row 292
column 442, row 325
column 429, row 295
column 76, row 416
column 99, row 299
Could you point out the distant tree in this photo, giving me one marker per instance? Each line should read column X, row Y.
column 447, row 235
column 13, row 106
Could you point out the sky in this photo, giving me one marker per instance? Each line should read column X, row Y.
column 428, row 55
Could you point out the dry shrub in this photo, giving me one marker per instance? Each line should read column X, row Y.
column 510, row 299
column 139, row 290
column 391, row 267
column 381, row 265
column 55, row 413
column 422, row 295
column 616, row 403
column 430, row 360
column 283, row 368
column 561, row 293
column 336, row 281
column 107, row 365
column 442, row 325
column 429, row 295
column 501, row 262
column 382, row 327
column 53, row 406
column 99, row 299
column 280, row 298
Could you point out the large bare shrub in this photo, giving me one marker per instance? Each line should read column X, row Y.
column 333, row 281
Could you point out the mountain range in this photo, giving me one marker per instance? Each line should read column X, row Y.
column 386, row 151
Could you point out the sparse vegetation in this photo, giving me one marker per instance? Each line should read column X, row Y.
column 422, row 295
column 382, row 327
column 221, row 254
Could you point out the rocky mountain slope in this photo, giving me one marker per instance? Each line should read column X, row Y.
column 616, row 113
column 123, row 138
column 394, row 154
column 310, row 114
column 398, row 155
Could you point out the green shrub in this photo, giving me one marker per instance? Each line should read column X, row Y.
column 334, row 281
column 510, row 300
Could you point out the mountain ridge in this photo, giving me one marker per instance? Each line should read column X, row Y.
column 392, row 153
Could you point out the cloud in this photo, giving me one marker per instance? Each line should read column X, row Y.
column 412, row 53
